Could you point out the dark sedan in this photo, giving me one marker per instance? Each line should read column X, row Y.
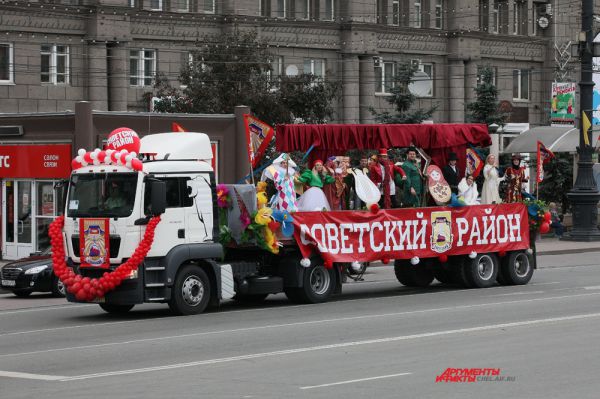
column 32, row 274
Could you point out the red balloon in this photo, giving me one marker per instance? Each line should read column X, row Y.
column 544, row 227
column 502, row 254
column 75, row 164
column 80, row 295
column 385, row 261
column 547, row 217
column 122, row 158
column 88, row 158
column 328, row 264
column 374, row 208
column 113, row 157
column 136, row 164
column 101, row 156
column 123, row 138
column 443, row 258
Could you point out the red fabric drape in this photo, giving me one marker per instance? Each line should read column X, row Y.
column 438, row 140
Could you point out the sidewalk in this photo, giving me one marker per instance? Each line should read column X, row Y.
column 553, row 246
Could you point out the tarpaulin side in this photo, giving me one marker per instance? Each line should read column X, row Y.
column 347, row 236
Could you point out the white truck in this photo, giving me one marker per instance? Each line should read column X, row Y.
column 189, row 269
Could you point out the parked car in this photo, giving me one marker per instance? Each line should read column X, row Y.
column 32, row 274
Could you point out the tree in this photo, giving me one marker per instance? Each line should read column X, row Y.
column 558, row 180
column 233, row 69
column 402, row 99
column 486, row 108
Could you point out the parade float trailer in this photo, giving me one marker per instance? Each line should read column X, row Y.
column 161, row 242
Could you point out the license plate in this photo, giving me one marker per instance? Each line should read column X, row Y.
column 9, row 283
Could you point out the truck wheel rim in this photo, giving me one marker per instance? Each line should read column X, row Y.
column 60, row 287
column 485, row 267
column 319, row 280
column 192, row 291
column 521, row 265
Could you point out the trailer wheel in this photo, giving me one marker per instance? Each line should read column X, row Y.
column 115, row 309
column 443, row 275
column 481, row 272
column 191, row 292
column 458, row 268
column 412, row 275
column 516, row 269
column 318, row 283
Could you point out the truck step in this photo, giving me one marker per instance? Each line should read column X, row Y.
column 155, row 268
column 154, row 285
column 156, row 299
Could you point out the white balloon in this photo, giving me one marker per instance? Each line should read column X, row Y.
column 93, row 155
column 415, row 260
column 81, row 152
column 79, row 158
column 96, row 161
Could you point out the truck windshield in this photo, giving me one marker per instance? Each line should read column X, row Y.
column 101, row 195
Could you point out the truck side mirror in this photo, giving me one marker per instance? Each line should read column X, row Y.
column 158, row 197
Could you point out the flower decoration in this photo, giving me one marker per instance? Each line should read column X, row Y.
column 223, row 197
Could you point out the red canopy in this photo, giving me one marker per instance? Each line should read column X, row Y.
column 438, row 140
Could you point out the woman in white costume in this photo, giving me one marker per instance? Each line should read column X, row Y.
column 489, row 193
column 467, row 189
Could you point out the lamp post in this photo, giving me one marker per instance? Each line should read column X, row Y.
column 495, row 148
column 584, row 195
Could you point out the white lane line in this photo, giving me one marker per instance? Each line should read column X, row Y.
column 286, row 352
column 353, row 381
column 44, row 309
column 548, row 283
column 594, row 287
column 519, row 293
column 28, row 376
column 300, row 323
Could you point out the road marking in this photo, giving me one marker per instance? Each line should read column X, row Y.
column 44, row 309
column 549, row 283
column 353, row 381
column 300, row 323
column 286, row 352
column 595, row 287
column 519, row 293
column 28, row 376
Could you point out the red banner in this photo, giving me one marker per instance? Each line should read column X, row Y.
column 35, row 161
column 258, row 137
column 94, row 242
column 346, row 236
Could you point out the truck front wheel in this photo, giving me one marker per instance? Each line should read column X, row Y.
column 318, row 284
column 191, row 292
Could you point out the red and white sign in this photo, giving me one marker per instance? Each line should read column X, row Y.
column 344, row 236
column 123, row 138
column 35, row 161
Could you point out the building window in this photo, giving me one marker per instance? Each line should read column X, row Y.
column 182, row 5
column 521, row 79
column 480, row 70
column 302, row 9
column 484, row 15
column 156, row 5
column 264, row 8
column 315, row 66
column 329, row 10
column 439, row 14
column 131, row 3
column 418, row 14
column 207, row 6
column 142, row 67
column 422, row 81
column 520, row 18
column 385, row 72
column 281, row 9
column 276, row 72
column 54, row 64
column 6, row 63
column 500, row 17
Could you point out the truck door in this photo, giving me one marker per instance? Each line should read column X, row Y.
column 171, row 229
column 199, row 216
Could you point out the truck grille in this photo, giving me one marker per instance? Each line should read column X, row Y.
column 10, row 273
column 114, row 242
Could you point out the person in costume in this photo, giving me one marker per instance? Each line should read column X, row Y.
column 489, row 192
column 316, row 178
column 382, row 174
column 515, row 174
column 335, row 192
column 354, row 201
column 451, row 173
column 467, row 190
column 283, row 174
column 413, row 187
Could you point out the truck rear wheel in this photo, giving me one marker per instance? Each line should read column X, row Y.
column 412, row 275
column 318, row 284
column 191, row 292
column 116, row 309
column 516, row 269
column 481, row 271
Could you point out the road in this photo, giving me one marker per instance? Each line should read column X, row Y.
column 378, row 339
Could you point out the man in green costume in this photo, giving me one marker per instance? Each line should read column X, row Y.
column 413, row 186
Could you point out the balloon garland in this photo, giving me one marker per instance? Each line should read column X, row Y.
column 108, row 157
column 85, row 288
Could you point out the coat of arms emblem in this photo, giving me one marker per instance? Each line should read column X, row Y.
column 441, row 231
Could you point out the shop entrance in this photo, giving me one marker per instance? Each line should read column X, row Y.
column 17, row 226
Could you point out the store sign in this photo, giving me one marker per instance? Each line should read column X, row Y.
column 562, row 111
column 343, row 236
column 35, row 161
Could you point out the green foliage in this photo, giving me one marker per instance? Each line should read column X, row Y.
column 402, row 100
column 486, row 108
column 540, row 208
column 558, row 181
column 233, row 69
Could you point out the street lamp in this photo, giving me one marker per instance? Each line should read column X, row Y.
column 495, row 148
column 584, row 195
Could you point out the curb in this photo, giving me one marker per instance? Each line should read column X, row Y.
column 567, row 251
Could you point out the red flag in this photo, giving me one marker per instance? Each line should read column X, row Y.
column 474, row 162
column 177, row 128
column 258, row 137
column 544, row 156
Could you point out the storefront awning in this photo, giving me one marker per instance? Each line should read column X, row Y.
column 556, row 139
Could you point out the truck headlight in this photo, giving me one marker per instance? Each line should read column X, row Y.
column 36, row 270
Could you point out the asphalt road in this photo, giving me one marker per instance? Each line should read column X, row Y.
column 378, row 339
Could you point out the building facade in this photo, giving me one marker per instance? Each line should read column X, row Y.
column 107, row 52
